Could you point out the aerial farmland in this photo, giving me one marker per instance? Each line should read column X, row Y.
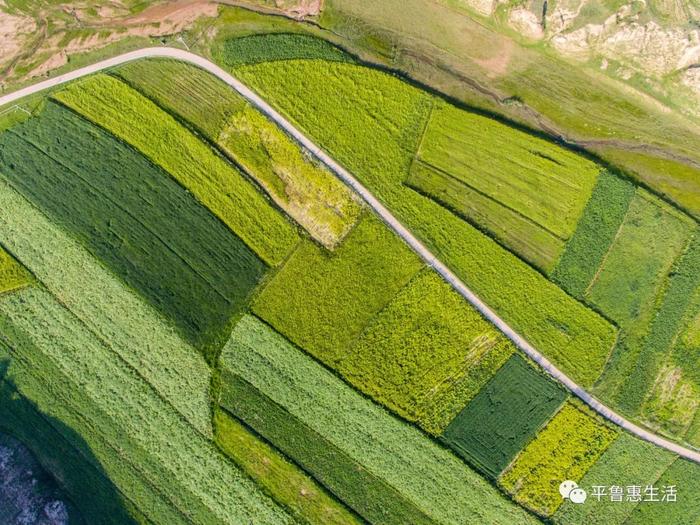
column 266, row 268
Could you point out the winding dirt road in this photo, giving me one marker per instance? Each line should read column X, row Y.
column 384, row 213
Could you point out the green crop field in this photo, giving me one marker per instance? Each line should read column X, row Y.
column 284, row 481
column 684, row 475
column 308, row 192
column 594, row 233
column 323, row 301
column 254, row 49
column 12, row 274
column 674, row 401
column 642, row 297
column 653, row 236
column 218, row 185
column 367, row 494
column 396, row 464
column 504, row 416
column 199, row 280
column 196, row 96
column 627, row 461
column 545, row 184
column 667, row 364
column 426, row 353
column 108, row 308
column 371, row 122
column 96, row 497
column 519, row 233
column 114, row 409
column 566, row 448
column 201, row 324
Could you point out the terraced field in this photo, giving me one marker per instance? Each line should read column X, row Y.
column 308, row 192
column 103, row 200
column 218, row 185
column 199, row 323
column 626, row 462
column 392, row 122
column 565, row 449
column 323, row 301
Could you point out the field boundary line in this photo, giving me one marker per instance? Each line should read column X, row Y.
column 391, row 221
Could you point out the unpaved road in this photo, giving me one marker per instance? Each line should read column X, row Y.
column 384, row 213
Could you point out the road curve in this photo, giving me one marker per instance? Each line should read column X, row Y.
column 378, row 207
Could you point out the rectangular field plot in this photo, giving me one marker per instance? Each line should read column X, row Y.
column 307, row 191
column 594, row 233
column 541, row 181
column 322, row 301
column 12, row 274
column 322, row 204
column 173, row 472
column 270, row 47
column 130, row 214
column 627, row 461
column 504, row 416
column 384, row 468
column 682, row 289
column 684, row 476
column 214, row 182
column 426, row 353
column 565, row 449
column 674, row 401
column 653, row 236
column 196, row 95
column 524, row 236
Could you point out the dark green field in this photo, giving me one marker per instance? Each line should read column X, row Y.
column 504, row 416
column 131, row 214
column 281, row 46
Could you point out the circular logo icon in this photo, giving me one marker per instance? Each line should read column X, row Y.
column 566, row 487
column 577, row 496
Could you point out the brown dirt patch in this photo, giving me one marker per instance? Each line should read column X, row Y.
column 15, row 31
